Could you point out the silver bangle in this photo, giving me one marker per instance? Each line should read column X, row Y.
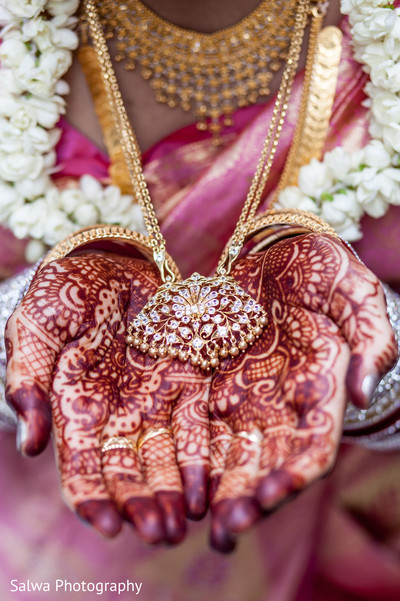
column 386, row 400
column 12, row 291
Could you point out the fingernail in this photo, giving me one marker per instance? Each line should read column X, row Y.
column 22, row 434
column 369, row 385
column 146, row 517
column 196, row 504
column 172, row 506
column 220, row 539
column 195, row 486
column 268, row 492
column 33, row 432
column 243, row 515
column 275, row 488
column 102, row 515
column 108, row 523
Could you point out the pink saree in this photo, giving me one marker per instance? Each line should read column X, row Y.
column 340, row 539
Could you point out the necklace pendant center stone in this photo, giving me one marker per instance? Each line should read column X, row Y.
column 200, row 320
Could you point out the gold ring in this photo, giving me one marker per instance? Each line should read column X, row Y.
column 152, row 434
column 117, row 442
column 254, row 437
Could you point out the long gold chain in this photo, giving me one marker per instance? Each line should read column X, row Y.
column 200, row 319
column 209, row 74
column 128, row 140
column 260, row 178
column 132, row 153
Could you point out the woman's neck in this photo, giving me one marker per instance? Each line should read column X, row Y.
column 205, row 16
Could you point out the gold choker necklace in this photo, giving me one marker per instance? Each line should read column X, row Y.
column 199, row 319
column 210, row 75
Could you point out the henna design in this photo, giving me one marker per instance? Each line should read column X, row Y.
column 156, row 394
column 161, row 472
column 190, row 423
column 326, row 314
column 67, row 339
column 131, row 494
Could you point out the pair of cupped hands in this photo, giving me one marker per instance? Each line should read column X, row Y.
column 243, row 439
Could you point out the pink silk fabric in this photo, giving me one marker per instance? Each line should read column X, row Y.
column 340, row 539
column 199, row 190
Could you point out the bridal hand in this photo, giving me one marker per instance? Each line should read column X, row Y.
column 277, row 409
column 69, row 366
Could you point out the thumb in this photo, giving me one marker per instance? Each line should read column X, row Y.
column 31, row 354
column 373, row 349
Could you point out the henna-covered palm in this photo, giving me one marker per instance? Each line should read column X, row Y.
column 328, row 339
column 68, row 365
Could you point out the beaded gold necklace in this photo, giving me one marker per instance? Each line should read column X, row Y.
column 200, row 319
column 210, row 75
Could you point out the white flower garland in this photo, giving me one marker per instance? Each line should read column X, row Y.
column 37, row 40
column 344, row 186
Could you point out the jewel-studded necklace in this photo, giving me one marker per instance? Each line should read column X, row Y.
column 209, row 74
column 200, row 319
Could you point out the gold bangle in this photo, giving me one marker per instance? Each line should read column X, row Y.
column 294, row 217
column 261, row 239
column 278, row 224
column 113, row 233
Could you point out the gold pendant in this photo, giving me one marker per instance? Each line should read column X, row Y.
column 199, row 320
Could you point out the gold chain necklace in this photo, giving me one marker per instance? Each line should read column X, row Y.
column 210, row 75
column 201, row 319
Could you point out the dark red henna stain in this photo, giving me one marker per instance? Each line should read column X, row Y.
column 34, row 419
column 172, row 507
column 277, row 487
column 221, row 539
column 147, row 518
column 361, row 386
column 289, row 384
column 71, row 338
column 102, row 515
column 243, row 513
column 195, row 485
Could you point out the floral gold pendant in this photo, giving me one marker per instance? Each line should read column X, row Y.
column 200, row 320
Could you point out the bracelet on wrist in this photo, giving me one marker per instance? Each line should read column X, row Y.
column 96, row 237
column 279, row 224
